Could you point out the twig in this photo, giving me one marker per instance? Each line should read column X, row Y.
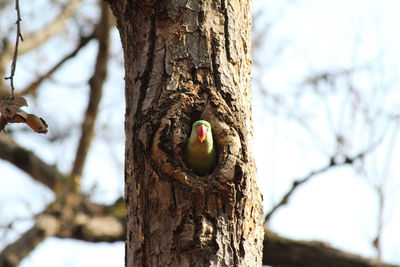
column 33, row 86
column 380, row 191
column 14, row 61
column 377, row 240
column 333, row 163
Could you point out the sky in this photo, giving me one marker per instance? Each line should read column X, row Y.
column 338, row 207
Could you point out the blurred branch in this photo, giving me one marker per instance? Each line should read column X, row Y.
column 33, row 86
column 92, row 222
column 14, row 253
column 53, row 28
column 36, row 39
column 28, row 162
column 381, row 205
column 71, row 217
column 329, row 76
column 102, row 32
column 380, row 189
column 333, row 163
column 279, row 251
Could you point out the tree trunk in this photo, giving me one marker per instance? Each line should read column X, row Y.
column 184, row 61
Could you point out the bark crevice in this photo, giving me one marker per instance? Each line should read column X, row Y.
column 146, row 76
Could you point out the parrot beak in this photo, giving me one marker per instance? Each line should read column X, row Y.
column 201, row 132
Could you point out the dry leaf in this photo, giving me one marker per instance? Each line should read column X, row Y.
column 37, row 124
column 20, row 101
column 12, row 113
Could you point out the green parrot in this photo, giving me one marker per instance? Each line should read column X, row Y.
column 200, row 153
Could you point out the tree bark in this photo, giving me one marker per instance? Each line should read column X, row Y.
column 184, row 61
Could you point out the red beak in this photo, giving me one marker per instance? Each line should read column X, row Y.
column 201, row 132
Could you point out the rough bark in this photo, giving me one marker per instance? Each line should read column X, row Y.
column 184, row 61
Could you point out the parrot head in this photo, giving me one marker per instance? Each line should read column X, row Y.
column 201, row 128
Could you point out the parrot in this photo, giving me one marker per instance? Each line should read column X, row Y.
column 200, row 152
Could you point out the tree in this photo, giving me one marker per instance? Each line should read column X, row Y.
column 184, row 61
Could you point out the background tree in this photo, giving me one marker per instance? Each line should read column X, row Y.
column 61, row 68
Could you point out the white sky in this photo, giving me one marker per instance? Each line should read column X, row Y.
column 338, row 207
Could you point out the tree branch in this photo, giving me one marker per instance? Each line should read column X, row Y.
column 102, row 31
column 95, row 229
column 332, row 164
column 57, row 25
column 33, row 86
column 71, row 217
column 279, row 251
column 84, row 220
column 28, row 162
column 14, row 253
column 18, row 38
column 42, row 35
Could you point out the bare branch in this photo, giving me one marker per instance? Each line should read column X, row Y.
column 380, row 189
column 71, row 217
column 279, row 251
column 377, row 240
column 28, row 162
column 14, row 60
column 84, row 220
column 95, row 229
column 42, row 35
column 14, row 253
column 332, row 164
column 33, row 86
column 102, row 31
